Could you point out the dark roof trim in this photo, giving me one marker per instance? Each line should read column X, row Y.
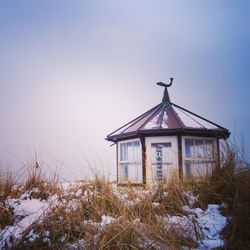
column 186, row 131
column 221, row 134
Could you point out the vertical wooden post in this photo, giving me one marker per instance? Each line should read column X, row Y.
column 117, row 164
column 217, row 153
column 144, row 171
column 180, row 160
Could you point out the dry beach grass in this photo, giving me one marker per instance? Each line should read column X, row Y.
column 98, row 215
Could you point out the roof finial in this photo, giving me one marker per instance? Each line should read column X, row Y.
column 165, row 98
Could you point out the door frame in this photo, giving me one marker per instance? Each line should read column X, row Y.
column 174, row 149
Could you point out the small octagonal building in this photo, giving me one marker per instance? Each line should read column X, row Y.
column 164, row 140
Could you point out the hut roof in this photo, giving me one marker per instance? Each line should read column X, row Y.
column 168, row 118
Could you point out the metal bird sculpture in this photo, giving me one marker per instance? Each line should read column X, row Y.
column 164, row 84
column 165, row 98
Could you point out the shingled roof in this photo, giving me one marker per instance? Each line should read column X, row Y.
column 168, row 118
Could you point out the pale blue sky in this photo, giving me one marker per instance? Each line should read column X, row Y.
column 73, row 71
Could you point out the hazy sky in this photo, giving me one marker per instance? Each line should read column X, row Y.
column 73, row 71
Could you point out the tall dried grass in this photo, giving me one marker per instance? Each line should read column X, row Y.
column 7, row 189
column 38, row 185
column 229, row 184
column 7, row 185
column 137, row 219
column 136, row 215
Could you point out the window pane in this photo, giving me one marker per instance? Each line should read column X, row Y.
column 126, row 171
column 209, row 149
column 199, row 154
column 209, row 167
column 123, row 152
column 188, row 171
column 189, row 148
column 130, row 151
column 137, row 151
column 199, row 149
column 130, row 172
column 135, row 172
column 130, row 167
column 198, row 168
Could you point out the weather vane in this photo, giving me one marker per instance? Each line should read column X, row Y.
column 164, row 84
column 165, row 98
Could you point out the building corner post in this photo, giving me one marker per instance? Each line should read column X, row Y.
column 144, row 158
column 180, row 160
column 117, row 165
column 217, row 154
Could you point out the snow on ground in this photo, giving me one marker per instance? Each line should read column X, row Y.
column 77, row 245
column 106, row 220
column 28, row 210
column 210, row 223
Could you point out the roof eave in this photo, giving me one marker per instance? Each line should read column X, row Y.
column 218, row 133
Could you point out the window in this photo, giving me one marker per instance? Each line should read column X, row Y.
column 130, row 161
column 199, row 156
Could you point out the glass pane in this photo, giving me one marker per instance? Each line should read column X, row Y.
column 130, row 151
column 189, row 148
column 192, row 121
column 135, row 172
column 209, row 149
column 131, row 172
column 123, row 152
column 126, row 171
column 187, row 169
column 131, row 169
column 199, row 169
column 154, row 123
column 209, row 167
column 137, row 151
column 199, row 149
column 139, row 123
column 164, row 123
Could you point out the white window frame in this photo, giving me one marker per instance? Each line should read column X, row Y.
column 121, row 163
column 198, row 160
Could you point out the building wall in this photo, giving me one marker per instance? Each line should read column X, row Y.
column 162, row 158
